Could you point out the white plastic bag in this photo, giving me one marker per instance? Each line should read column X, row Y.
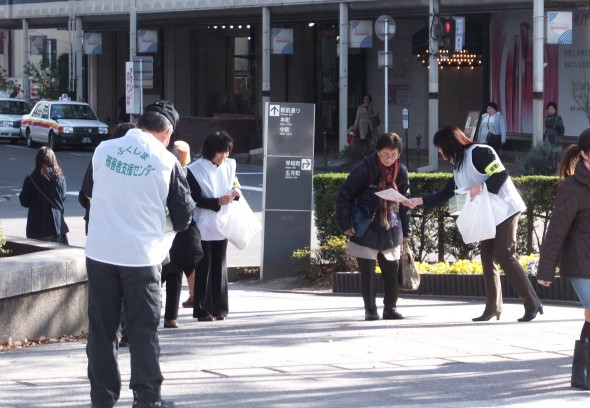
column 476, row 221
column 238, row 223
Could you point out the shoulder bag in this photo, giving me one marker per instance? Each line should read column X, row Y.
column 409, row 278
column 360, row 221
column 52, row 203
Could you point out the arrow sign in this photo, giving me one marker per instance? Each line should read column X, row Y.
column 274, row 110
column 305, row 164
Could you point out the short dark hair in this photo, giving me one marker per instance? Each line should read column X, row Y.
column 389, row 140
column 493, row 105
column 367, row 96
column 121, row 129
column 550, row 104
column 452, row 142
column 217, row 142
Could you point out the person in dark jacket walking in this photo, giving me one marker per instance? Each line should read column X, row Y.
column 389, row 222
column 44, row 193
column 473, row 165
column 567, row 243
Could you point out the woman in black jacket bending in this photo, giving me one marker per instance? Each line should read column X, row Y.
column 388, row 222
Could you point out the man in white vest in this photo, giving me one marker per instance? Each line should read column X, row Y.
column 137, row 183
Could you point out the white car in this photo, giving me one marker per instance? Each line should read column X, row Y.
column 11, row 112
column 63, row 123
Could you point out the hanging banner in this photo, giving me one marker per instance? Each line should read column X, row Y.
column 361, row 34
column 559, row 27
column 147, row 41
column 92, row 43
column 38, row 44
column 282, row 41
column 132, row 102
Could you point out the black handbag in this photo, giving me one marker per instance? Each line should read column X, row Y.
column 360, row 221
column 493, row 139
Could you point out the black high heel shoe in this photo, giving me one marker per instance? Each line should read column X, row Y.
column 530, row 314
column 486, row 316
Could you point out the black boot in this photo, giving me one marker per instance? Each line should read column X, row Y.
column 369, row 287
column 581, row 366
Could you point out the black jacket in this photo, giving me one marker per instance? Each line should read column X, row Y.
column 44, row 219
column 360, row 186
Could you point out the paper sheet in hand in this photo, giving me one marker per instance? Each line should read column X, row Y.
column 391, row 195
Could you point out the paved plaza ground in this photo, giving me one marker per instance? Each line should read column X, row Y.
column 313, row 349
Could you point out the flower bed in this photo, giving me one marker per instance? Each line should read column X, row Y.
column 462, row 278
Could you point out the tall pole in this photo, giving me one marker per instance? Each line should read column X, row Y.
column 538, row 86
column 386, row 74
column 265, row 58
column 343, row 82
column 79, row 66
column 132, row 30
column 133, row 41
column 432, row 93
column 26, row 55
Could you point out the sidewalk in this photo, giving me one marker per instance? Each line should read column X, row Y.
column 293, row 349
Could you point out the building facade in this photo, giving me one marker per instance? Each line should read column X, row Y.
column 216, row 57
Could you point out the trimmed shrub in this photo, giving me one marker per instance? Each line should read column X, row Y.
column 434, row 230
column 542, row 159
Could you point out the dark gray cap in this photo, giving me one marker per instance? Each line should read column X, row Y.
column 165, row 108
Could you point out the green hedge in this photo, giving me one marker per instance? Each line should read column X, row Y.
column 434, row 230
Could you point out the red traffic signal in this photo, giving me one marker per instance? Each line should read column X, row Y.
column 448, row 32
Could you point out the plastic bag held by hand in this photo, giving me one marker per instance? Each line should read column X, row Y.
column 476, row 221
column 238, row 223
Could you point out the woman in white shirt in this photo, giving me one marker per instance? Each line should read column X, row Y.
column 213, row 183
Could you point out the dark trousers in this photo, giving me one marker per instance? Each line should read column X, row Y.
column 139, row 287
column 390, row 275
column 211, row 297
column 172, row 275
column 502, row 249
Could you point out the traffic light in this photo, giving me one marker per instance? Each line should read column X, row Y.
column 448, row 32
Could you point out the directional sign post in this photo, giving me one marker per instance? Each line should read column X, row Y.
column 288, row 178
column 405, row 123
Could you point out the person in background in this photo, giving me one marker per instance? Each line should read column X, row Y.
column 136, row 183
column 554, row 129
column 473, row 165
column 390, row 225
column 365, row 119
column 567, row 244
column 185, row 253
column 16, row 92
column 44, row 193
column 213, row 182
column 492, row 127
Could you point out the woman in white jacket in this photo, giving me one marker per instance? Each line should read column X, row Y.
column 492, row 127
column 213, row 183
